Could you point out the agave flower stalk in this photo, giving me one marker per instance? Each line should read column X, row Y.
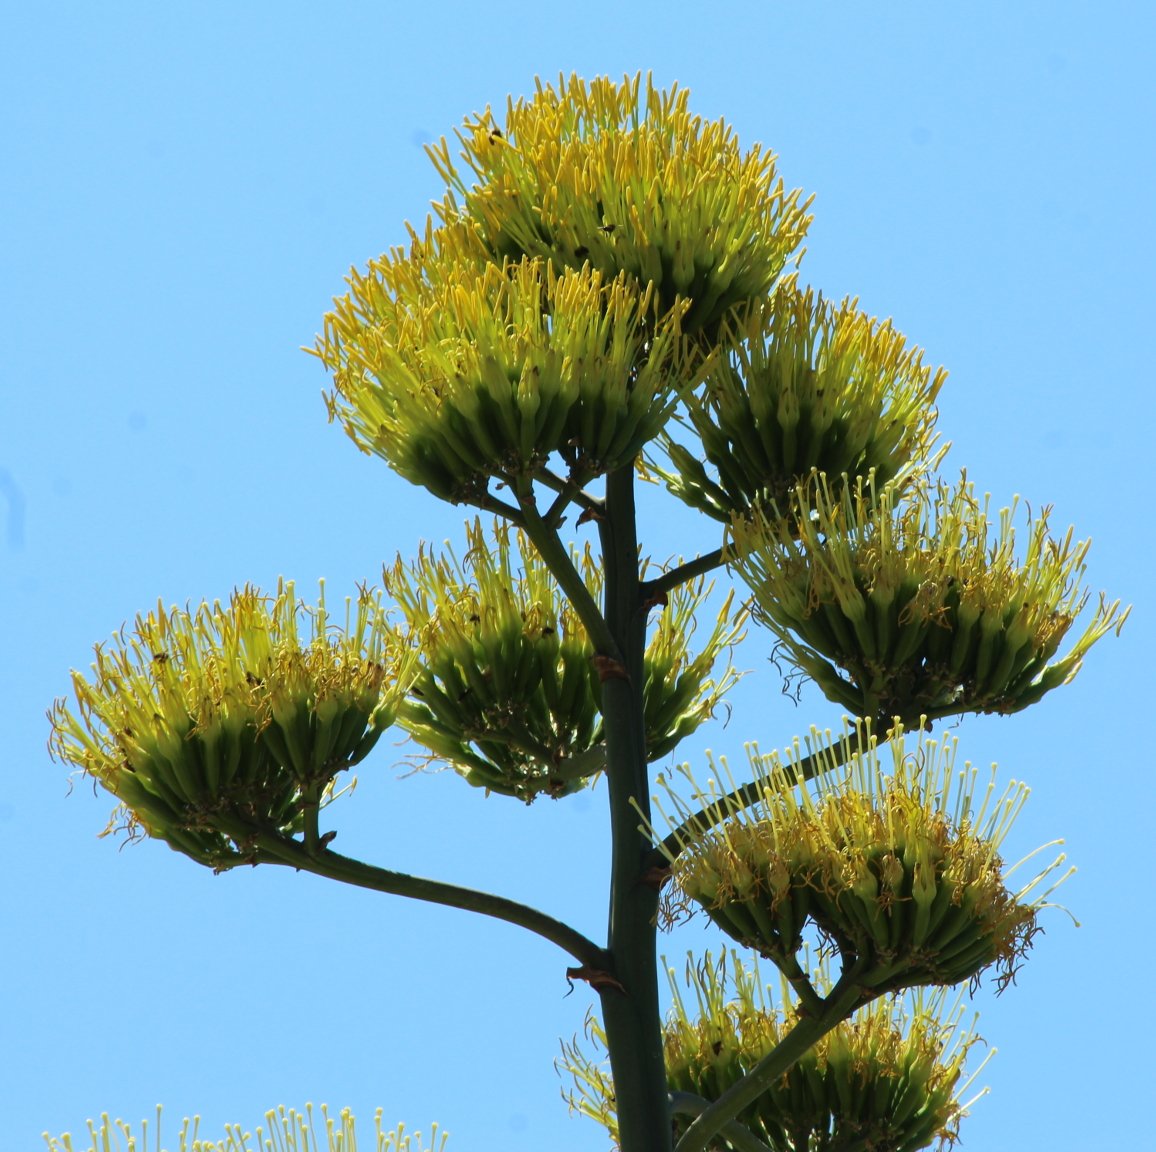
column 889, row 1077
column 458, row 371
column 911, row 604
column 900, row 872
column 508, row 690
column 603, row 263
column 807, row 386
column 627, row 181
column 212, row 725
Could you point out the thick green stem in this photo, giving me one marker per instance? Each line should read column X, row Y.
column 334, row 866
column 630, row 1010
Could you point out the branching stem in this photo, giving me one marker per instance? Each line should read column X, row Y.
column 490, row 503
column 568, row 492
column 334, row 866
column 737, row 1135
column 557, row 558
column 653, row 590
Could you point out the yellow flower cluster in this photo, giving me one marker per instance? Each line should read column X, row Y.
column 899, row 872
column 911, row 604
column 888, row 1077
column 556, row 308
column 209, row 724
column 627, row 180
column 807, row 387
column 284, row 1130
column 507, row 691
column 456, row 370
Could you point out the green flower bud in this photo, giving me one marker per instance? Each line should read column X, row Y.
column 627, row 182
column 213, row 724
column 911, row 605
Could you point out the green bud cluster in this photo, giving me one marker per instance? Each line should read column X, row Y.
column 889, row 1078
column 899, row 872
column 507, row 691
column 214, row 724
column 807, row 386
column 909, row 604
column 628, row 181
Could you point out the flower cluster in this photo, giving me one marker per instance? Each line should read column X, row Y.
column 806, row 386
column 627, row 181
column 214, row 724
column 507, row 690
column 899, row 872
column 565, row 301
column 287, row 1130
column 458, row 371
column 890, row 1077
column 911, row 604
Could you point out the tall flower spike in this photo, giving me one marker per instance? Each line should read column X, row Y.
column 900, row 872
column 213, row 724
column 889, row 1078
column 507, row 692
column 629, row 182
column 910, row 604
column 458, row 371
column 806, row 386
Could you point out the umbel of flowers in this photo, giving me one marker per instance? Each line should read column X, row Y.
column 212, row 725
column 507, row 689
column 627, row 181
column 566, row 300
column 909, row 603
column 459, row 371
column 891, row 1076
column 806, row 387
column 899, row 871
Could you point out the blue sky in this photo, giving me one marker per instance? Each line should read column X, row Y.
column 185, row 186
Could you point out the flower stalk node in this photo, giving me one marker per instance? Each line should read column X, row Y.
column 598, row 979
column 608, row 668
